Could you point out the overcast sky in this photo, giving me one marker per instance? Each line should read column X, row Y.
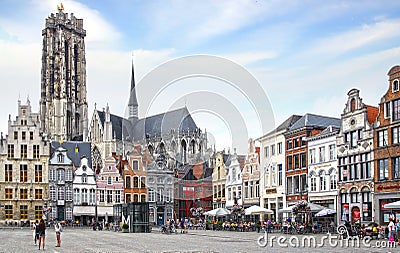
column 306, row 55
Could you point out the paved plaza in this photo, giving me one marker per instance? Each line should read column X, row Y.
column 87, row 240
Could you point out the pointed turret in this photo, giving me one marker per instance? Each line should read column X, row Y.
column 133, row 104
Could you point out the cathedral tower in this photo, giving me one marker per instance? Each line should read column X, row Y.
column 63, row 105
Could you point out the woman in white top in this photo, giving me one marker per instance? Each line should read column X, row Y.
column 391, row 228
column 58, row 230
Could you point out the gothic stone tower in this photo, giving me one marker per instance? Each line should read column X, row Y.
column 63, row 105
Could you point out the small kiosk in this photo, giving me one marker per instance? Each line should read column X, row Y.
column 135, row 214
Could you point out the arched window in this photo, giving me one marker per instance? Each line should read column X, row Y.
column 322, row 181
column 395, row 85
column 352, row 104
column 127, row 182
column 193, row 146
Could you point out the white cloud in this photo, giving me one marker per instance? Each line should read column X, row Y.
column 362, row 36
column 247, row 58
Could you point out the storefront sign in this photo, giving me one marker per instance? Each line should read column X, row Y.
column 270, row 191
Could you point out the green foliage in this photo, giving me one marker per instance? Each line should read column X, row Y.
column 125, row 226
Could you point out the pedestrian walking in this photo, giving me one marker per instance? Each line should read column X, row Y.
column 36, row 231
column 58, row 230
column 42, row 233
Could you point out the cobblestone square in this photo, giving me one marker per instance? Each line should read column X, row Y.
column 87, row 240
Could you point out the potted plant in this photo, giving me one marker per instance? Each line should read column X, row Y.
column 125, row 228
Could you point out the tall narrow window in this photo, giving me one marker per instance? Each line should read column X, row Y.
column 117, row 196
column 383, row 169
column 322, row 154
column 101, row 193
column 35, row 154
column 396, row 167
column 395, row 135
column 312, row 156
column 23, row 173
column 31, row 136
column 84, row 196
column 8, row 193
column 52, row 193
column 23, row 193
column 92, row 196
column 151, row 195
column 280, row 148
column 135, row 165
column 387, row 110
column 333, row 179
column 38, row 193
column 61, row 193
column 109, row 196
column 396, row 109
column 127, row 182
column 10, row 151
column 332, row 152
column 8, row 173
column 77, row 199
column 38, row 173
column 382, row 138
column 352, row 104
column 142, row 182
column 68, row 193
column 24, row 151
column 135, row 182
column 313, row 183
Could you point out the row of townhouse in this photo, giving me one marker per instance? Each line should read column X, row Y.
column 349, row 164
column 47, row 167
column 236, row 178
column 54, row 179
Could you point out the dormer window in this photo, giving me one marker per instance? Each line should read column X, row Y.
column 60, row 158
column 395, row 85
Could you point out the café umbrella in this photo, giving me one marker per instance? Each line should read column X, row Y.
column 218, row 212
column 253, row 210
column 325, row 212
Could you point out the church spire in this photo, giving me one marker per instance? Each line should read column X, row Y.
column 133, row 104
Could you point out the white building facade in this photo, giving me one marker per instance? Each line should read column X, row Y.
column 272, row 163
column 234, row 181
column 84, row 193
column 322, row 168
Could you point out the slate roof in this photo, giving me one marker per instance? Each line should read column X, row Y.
column 226, row 159
column 161, row 124
column 312, row 120
column 84, row 149
column 116, row 123
column 330, row 130
column 284, row 125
